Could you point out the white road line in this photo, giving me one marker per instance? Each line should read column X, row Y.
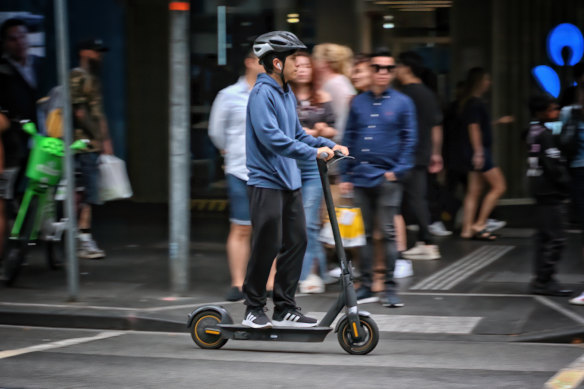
column 454, row 274
column 421, row 324
column 569, row 377
column 545, row 301
column 455, row 279
column 462, row 269
column 58, row 344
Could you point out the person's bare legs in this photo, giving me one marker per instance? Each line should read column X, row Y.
column 401, row 238
column 84, row 217
column 238, row 243
column 270, row 283
column 494, row 177
column 471, row 203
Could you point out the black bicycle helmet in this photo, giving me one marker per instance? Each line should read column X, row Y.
column 276, row 41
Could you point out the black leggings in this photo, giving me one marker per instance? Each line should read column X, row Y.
column 279, row 229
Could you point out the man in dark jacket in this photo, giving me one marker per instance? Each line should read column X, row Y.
column 381, row 131
column 19, row 89
column 20, row 77
column 548, row 183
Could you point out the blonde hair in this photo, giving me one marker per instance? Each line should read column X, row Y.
column 338, row 57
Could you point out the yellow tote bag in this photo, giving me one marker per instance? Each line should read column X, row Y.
column 351, row 228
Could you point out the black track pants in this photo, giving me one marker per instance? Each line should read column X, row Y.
column 549, row 241
column 279, row 230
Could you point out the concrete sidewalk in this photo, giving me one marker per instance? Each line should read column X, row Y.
column 483, row 295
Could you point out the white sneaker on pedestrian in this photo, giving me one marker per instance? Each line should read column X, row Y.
column 438, row 229
column 413, row 227
column 403, row 268
column 336, row 272
column 312, row 284
column 578, row 300
column 88, row 248
column 494, row 225
column 422, row 251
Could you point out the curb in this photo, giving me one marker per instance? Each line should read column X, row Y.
column 88, row 321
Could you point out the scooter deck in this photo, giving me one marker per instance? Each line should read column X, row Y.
column 282, row 334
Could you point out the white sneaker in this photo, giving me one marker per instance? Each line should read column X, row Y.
column 336, row 272
column 494, row 224
column 403, row 268
column 413, row 227
column 88, row 248
column 438, row 229
column 579, row 300
column 422, row 251
column 312, row 284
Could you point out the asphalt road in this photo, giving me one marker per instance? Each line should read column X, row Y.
column 65, row 358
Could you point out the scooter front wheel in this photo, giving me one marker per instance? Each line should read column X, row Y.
column 204, row 330
column 13, row 259
column 364, row 346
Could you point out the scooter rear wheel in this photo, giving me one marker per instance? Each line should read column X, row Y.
column 364, row 346
column 201, row 327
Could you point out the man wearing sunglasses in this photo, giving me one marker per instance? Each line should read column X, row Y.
column 381, row 133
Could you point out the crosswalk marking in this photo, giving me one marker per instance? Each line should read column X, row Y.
column 569, row 377
column 460, row 270
column 459, row 325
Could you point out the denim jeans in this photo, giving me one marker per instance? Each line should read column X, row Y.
column 312, row 200
column 382, row 201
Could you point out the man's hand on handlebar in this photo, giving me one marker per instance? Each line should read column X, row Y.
column 324, row 153
column 342, row 149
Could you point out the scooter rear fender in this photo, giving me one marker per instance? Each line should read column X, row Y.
column 225, row 317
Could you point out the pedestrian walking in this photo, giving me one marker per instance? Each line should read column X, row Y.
column 89, row 122
column 549, row 185
column 381, row 131
column 317, row 119
column 477, row 129
column 428, row 153
column 227, row 132
column 21, row 85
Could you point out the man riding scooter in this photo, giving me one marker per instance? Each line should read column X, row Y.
column 274, row 138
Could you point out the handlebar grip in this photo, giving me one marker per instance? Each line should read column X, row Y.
column 323, row 155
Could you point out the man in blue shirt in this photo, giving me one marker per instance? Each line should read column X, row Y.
column 381, row 131
column 274, row 139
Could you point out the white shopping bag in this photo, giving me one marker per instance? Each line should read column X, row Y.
column 113, row 179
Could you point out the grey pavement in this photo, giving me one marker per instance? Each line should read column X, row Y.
column 477, row 291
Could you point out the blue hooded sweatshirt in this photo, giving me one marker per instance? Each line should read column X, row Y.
column 274, row 137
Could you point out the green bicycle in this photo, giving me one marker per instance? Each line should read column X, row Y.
column 37, row 215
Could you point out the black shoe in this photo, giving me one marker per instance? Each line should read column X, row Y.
column 391, row 300
column 292, row 318
column 550, row 289
column 363, row 293
column 234, row 294
column 256, row 318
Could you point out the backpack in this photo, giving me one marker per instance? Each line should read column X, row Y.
column 570, row 135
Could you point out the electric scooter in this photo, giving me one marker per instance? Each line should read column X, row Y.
column 211, row 326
